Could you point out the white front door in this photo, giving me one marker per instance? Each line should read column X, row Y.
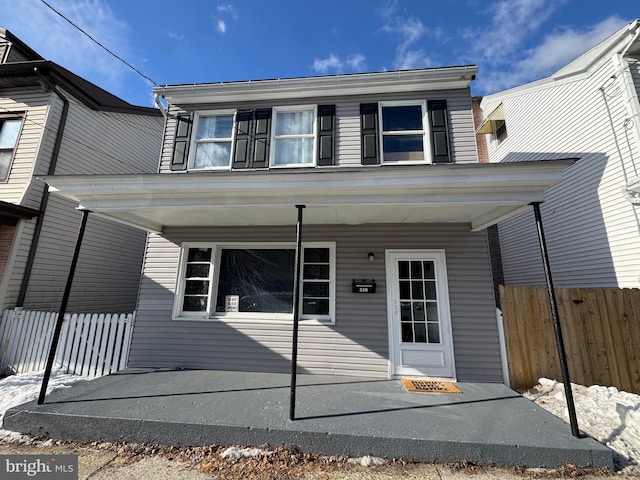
column 420, row 341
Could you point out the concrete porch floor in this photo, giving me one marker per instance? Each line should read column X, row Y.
column 486, row 423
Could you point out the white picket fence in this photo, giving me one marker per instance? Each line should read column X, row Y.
column 91, row 345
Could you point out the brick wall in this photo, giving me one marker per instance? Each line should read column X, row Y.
column 481, row 140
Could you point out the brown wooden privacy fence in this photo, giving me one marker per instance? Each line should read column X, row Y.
column 601, row 329
column 91, row 345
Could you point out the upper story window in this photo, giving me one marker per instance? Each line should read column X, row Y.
column 294, row 135
column 213, row 140
column 500, row 131
column 9, row 130
column 403, row 132
column 255, row 138
column 495, row 124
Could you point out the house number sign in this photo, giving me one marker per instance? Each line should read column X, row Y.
column 363, row 285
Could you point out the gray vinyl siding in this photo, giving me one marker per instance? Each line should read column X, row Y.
column 591, row 229
column 108, row 270
column 109, row 143
column 347, row 140
column 34, row 143
column 108, row 273
column 358, row 342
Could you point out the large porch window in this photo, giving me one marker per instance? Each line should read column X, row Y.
column 255, row 282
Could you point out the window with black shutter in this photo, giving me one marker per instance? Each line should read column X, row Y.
column 326, row 133
column 439, row 131
column 405, row 132
column 180, row 156
column 369, row 133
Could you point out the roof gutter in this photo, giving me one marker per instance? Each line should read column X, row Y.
column 48, row 84
column 307, row 87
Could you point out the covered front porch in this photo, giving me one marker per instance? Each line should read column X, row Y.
column 337, row 415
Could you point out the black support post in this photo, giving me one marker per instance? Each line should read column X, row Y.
column 63, row 309
column 296, row 315
column 573, row 419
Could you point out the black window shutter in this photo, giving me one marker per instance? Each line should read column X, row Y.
column 439, row 131
column 244, row 132
column 369, row 133
column 326, row 133
column 181, row 144
column 262, row 138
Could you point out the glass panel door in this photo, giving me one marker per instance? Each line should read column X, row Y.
column 419, row 321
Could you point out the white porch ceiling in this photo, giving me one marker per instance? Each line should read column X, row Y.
column 477, row 194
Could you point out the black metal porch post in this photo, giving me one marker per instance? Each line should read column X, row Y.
column 296, row 315
column 63, row 308
column 573, row 420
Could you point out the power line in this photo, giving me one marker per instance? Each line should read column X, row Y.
column 155, row 84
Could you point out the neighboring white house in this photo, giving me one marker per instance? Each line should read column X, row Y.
column 395, row 274
column 54, row 122
column 589, row 110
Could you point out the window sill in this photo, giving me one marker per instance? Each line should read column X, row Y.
column 247, row 320
column 295, row 165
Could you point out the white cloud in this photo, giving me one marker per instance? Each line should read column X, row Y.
column 57, row 40
column 412, row 59
column 228, row 9
column 408, row 32
column 332, row 63
column 225, row 10
column 176, row 36
column 511, row 24
column 356, row 62
column 556, row 50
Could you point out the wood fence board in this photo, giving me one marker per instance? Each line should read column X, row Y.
column 630, row 324
column 601, row 330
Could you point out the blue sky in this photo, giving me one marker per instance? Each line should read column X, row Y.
column 195, row 41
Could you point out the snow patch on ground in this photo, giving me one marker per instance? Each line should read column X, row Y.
column 235, row 453
column 25, row 387
column 367, row 461
column 610, row 416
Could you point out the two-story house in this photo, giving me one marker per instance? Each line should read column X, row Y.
column 394, row 272
column 53, row 122
column 589, row 109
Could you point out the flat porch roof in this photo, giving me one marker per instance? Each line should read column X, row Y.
column 486, row 423
column 476, row 194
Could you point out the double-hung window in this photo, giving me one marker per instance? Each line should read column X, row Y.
column 9, row 130
column 403, row 132
column 293, row 137
column 213, row 140
column 240, row 282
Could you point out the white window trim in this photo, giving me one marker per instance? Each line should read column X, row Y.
column 194, row 142
column 3, row 118
column 426, row 142
column 313, row 134
column 246, row 317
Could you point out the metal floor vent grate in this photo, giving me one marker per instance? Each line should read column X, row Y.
column 429, row 386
